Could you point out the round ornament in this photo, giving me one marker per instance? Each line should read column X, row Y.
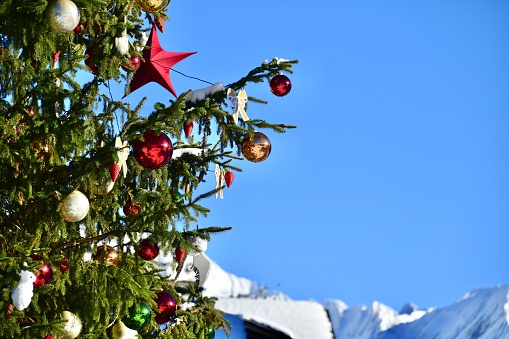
column 44, row 275
column 108, row 254
column 148, row 250
column 152, row 6
column 130, row 209
column 134, row 64
column 74, row 207
column 154, row 151
column 167, row 306
column 256, row 148
column 73, row 325
column 49, row 337
column 211, row 334
column 63, row 15
column 280, row 85
column 139, row 316
column 121, row 331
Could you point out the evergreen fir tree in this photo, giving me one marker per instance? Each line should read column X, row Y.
column 60, row 137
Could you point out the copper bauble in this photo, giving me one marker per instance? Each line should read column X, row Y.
column 148, row 250
column 63, row 15
column 280, row 85
column 256, row 148
column 108, row 254
column 152, row 6
column 167, row 306
column 154, row 151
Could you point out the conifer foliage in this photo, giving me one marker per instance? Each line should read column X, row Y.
column 76, row 206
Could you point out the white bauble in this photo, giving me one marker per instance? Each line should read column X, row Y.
column 63, row 15
column 73, row 325
column 121, row 331
column 74, row 207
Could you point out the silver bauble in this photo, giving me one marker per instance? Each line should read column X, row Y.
column 63, row 15
column 74, row 207
column 73, row 325
column 121, row 331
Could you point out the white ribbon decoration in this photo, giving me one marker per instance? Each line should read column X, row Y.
column 219, row 181
column 122, row 153
column 238, row 103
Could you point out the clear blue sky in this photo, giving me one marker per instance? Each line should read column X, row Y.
column 395, row 185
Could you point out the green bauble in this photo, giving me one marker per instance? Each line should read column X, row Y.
column 211, row 334
column 139, row 316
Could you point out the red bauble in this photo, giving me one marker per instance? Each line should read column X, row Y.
column 148, row 250
column 154, row 151
column 45, row 272
column 180, row 253
column 167, row 305
column 82, row 26
column 64, row 265
column 114, row 171
column 49, row 337
column 31, row 111
column 134, row 64
column 280, row 85
column 228, row 178
column 89, row 62
column 130, row 209
column 188, row 128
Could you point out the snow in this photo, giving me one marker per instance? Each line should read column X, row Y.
column 506, row 309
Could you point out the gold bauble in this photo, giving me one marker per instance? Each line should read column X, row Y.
column 73, row 325
column 121, row 331
column 152, row 6
column 256, row 148
column 108, row 254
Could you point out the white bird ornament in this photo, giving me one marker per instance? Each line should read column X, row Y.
column 23, row 293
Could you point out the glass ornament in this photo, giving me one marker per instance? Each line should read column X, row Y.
column 63, row 15
column 154, row 151
column 256, row 148
column 138, row 317
column 280, row 85
column 152, row 6
column 74, row 207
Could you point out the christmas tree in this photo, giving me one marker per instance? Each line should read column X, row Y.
column 92, row 191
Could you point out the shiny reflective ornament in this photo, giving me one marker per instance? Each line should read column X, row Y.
column 73, row 325
column 148, row 250
column 134, row 64
column 280, row 85
column 211, row 334
column 130, row 209
column 49, row 337
column 167, row 306
column 154, row 151
column 152, row 6
column 121, row 331
column 74, row 207
column 45, row 272
column 256, row 148
column 138, row 318
column 108, row 254
column 63, row 15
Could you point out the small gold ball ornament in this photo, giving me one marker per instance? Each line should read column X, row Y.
column 152, row 6
column 121, row 331
column 63, row 15
column 256, row 148
column 74, row 207
column 73, row 325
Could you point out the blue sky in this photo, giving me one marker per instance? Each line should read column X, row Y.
column 395, row 186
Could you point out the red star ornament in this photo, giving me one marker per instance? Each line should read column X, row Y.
column 156, row 65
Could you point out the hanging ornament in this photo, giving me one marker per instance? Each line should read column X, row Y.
column 159, row 21
column 156, row 65
column 114, row 171
column 280, row 85
column 152, row 6
column 63, row 15
column 45, row 272
column 148, row 250
column 73, row 325
column 167, row 306
column 74, row 207
column 228, row 178
column 256, row 148
column 121, row 331
column 89, row 61
column 80, row 28
column 49, row 337
column 188, row 128
column 54, row 58
column 138, row 317
column 219, row 181
column 130, row 209
column 31, row 111
column 43, row 148
column 64, row 264
column 238, row 103
column 107, row 254
column 180, row 254
column 122, row 41
column 23, row 293
column 122, row 153
column 154, row 151
column 198, row 242
column 134, row 64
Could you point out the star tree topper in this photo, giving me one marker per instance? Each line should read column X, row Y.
column 157, row 64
